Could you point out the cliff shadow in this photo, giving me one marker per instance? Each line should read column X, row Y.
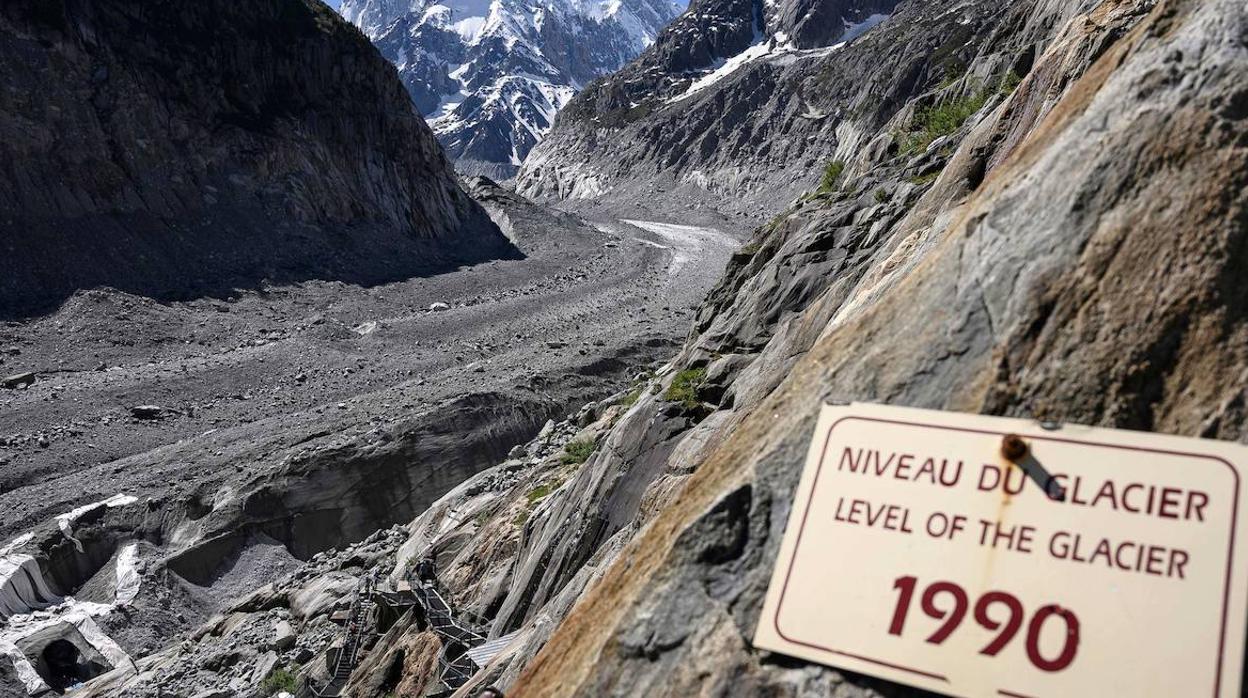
column 43, row 265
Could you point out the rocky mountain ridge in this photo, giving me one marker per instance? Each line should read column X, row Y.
column 730, row 126
column 490, row 75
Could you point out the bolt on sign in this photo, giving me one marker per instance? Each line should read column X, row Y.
column 986, row 557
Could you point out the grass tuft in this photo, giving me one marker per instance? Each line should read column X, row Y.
column 578, row 452
column 939, row 121
column 924, row 180
column 632, row 397
column 684, row 387
column 831, row 176
column 1009, row 83
column 538, row 493
column 277, row 682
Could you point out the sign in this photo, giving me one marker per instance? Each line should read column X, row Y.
column 987, row 557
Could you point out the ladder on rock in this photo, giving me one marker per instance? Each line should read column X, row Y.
column 362, row 605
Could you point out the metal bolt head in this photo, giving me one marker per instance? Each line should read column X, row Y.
column 1013, row 448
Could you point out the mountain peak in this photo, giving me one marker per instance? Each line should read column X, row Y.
column 489, row 75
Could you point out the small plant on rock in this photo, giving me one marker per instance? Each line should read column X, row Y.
column 538, row 493
column 924, row 180
column 1009, row 83
column 578, row 452
column 685, row 386
column 831, row 176
column 278, row 682
column 939, row 121
column 631, row 398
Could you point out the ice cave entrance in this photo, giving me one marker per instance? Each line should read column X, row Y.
column 64, row 658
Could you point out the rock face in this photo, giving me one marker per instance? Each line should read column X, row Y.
column 174, row 150
column 490, row 76
column 1073, row 260
column 739, row 104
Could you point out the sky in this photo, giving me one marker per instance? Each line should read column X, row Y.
column 333, row 3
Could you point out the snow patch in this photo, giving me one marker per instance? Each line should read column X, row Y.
column 470, row 28
column 726, row 68
column 687, row 242
column 853, row 31
column 779, row 49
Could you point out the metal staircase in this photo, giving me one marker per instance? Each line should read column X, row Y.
column 458, row 668
column 464, row 649
column 358, row 619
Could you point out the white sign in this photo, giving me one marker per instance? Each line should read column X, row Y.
column 932, row 549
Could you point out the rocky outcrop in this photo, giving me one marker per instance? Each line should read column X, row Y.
column 740, row 105
column 473, row 531
column 1044, row 273
column 175, row 150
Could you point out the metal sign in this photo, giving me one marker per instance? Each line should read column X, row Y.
column 987, row 557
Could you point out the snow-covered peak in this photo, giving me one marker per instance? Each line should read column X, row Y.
column 489, row 75
column 373, row 16
column 641, row 21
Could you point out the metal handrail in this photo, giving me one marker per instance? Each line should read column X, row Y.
column 456, row 672
column 347, row 657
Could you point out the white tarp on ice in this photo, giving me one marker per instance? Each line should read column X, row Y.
column 66, row 521
column 29, row 635
column 128, row 578
column 22, row 587
column 32, row 616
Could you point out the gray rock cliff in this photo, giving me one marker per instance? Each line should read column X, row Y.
column 172, row 149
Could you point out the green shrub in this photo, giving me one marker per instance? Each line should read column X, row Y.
column 538, row 493
column 578, row 452
column 939, row 121
column 1009, row 83
column 831, row 176
column 684, row 387
column 278, row 681
column 881, row 196
column 632, row 397
column 924, row 180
